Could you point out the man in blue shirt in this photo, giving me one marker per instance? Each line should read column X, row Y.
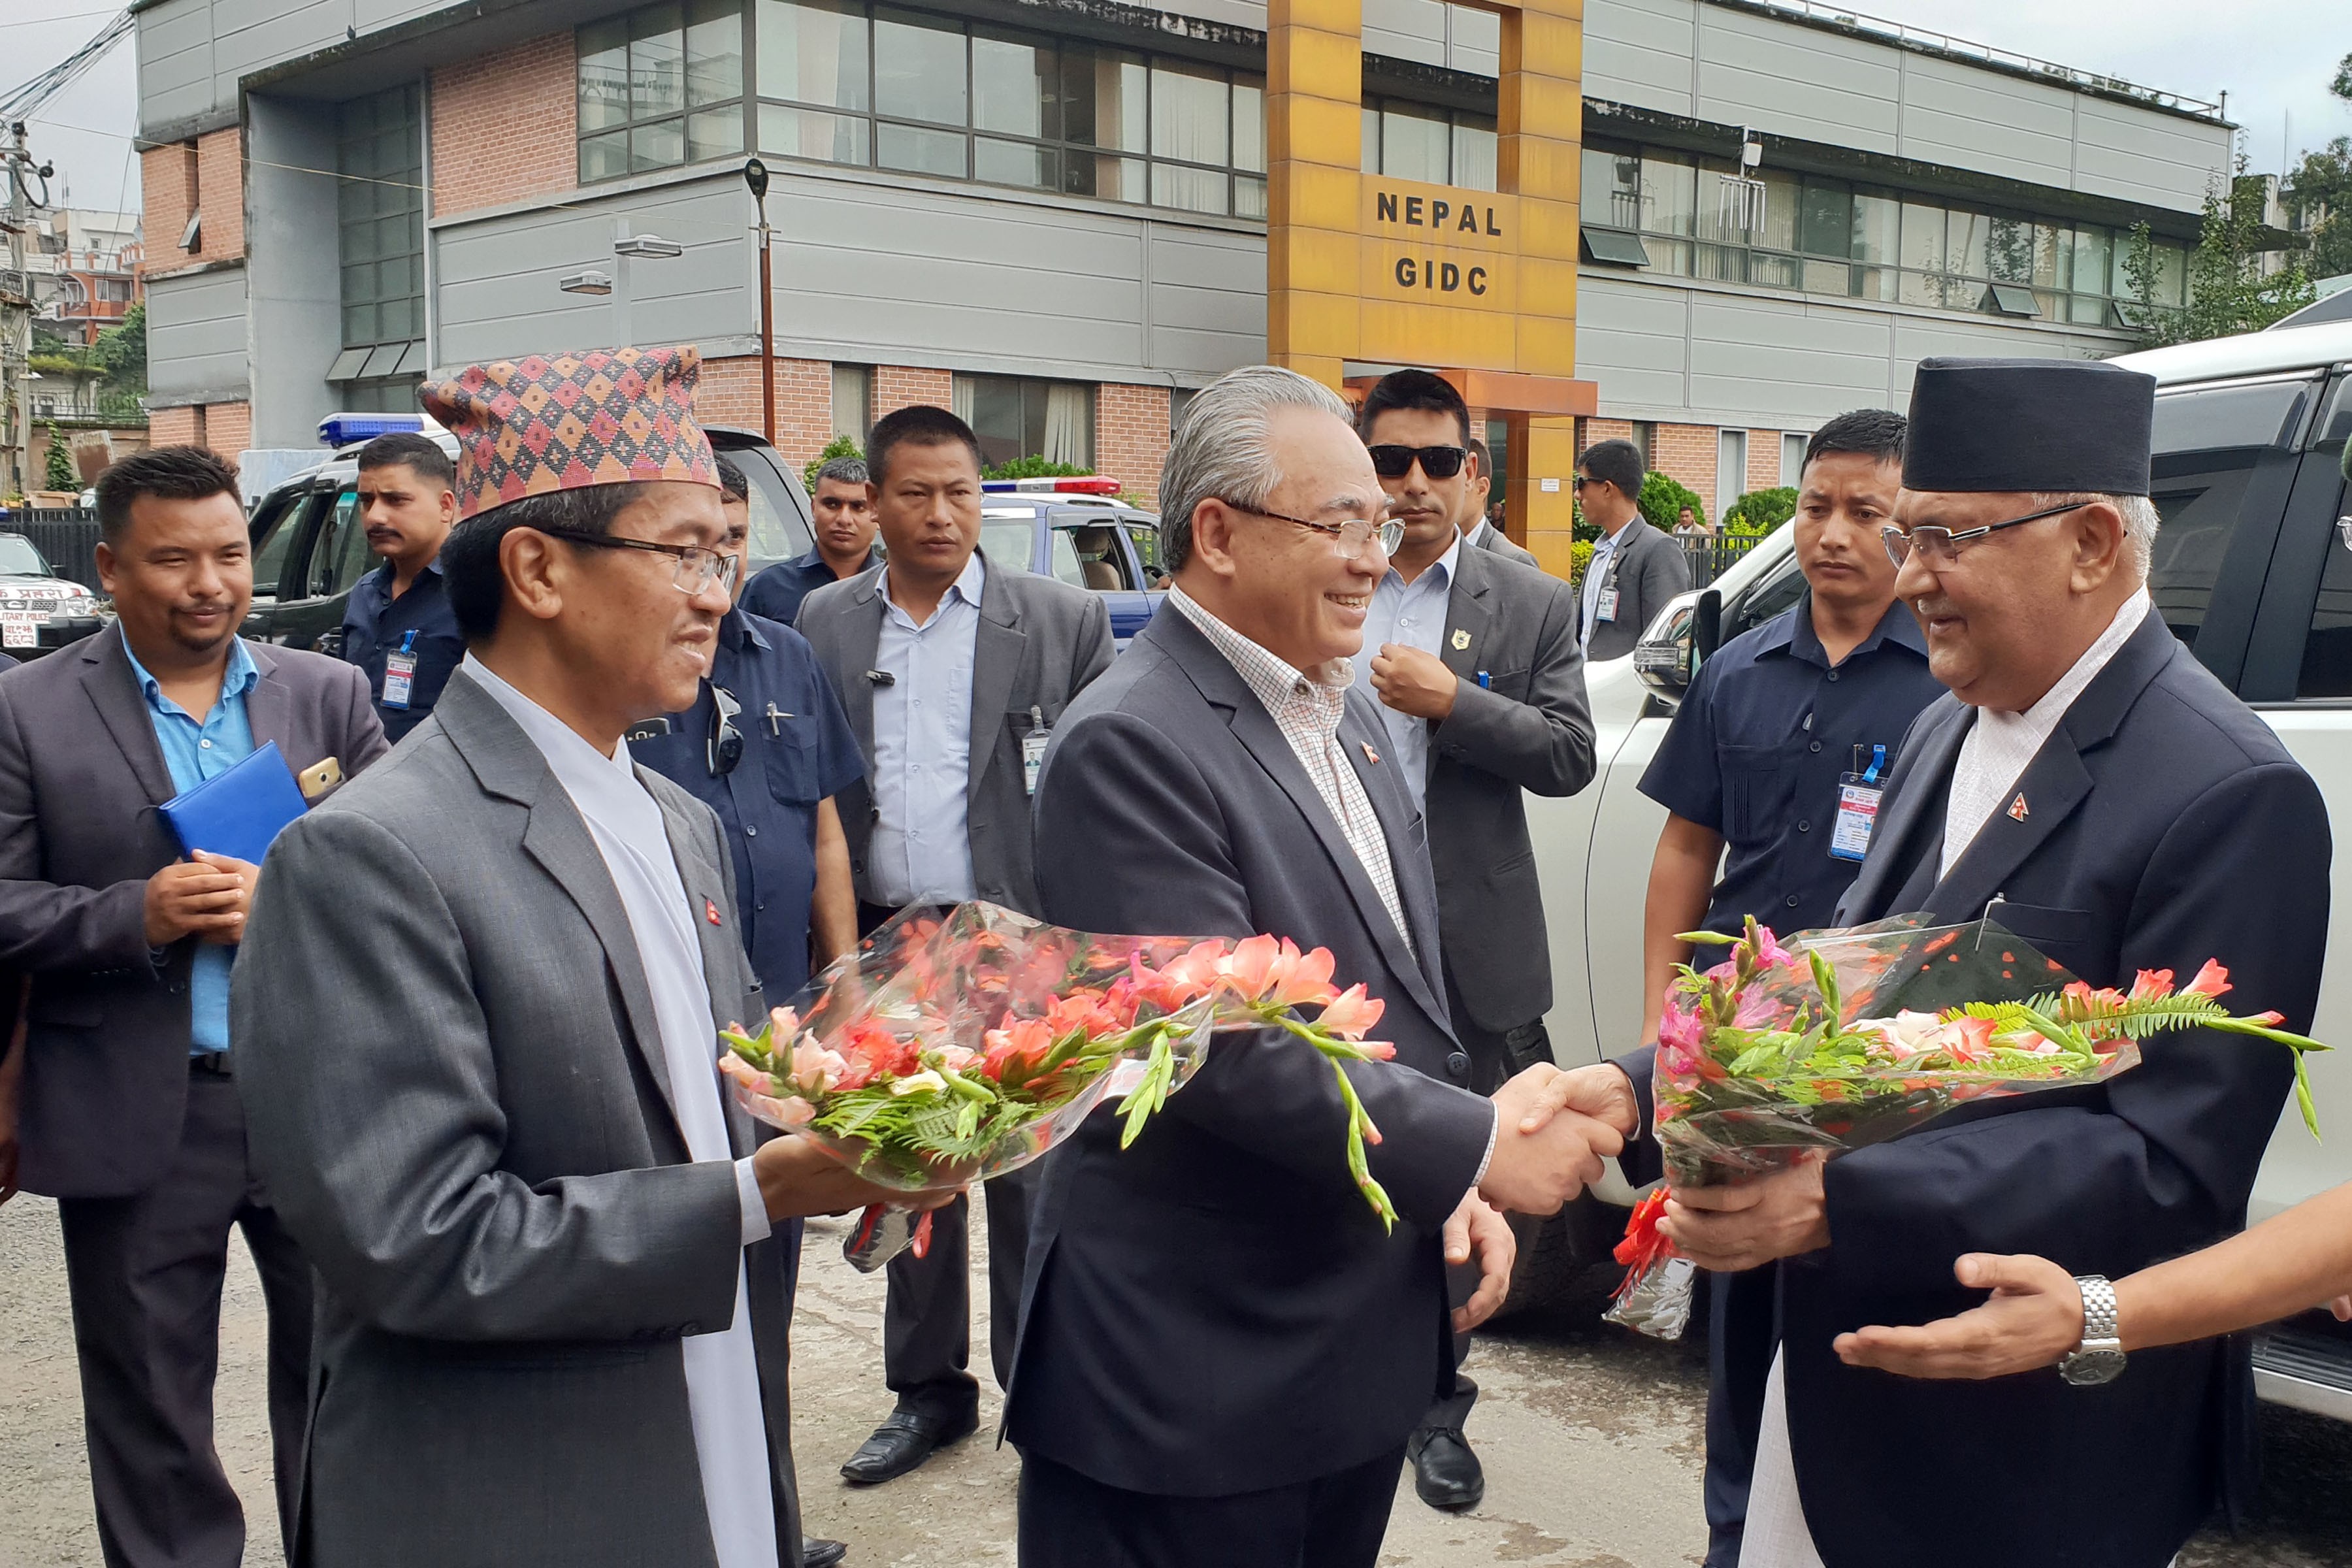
column 1773, row 766
column 845, row 527
column 397, row 624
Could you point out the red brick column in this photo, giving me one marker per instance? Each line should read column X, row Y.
column 898, row 386
column 506, row 126
column 729, row 395
column 1763, row 460
column 177, row 427
column 1686, row 453
column 1131, row 437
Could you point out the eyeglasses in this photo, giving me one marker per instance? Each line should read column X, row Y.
column 1352, row 534
column 725, row 748
column 698, row 566
column 1576, row 483
column 1437, row 462
column 1940, row 547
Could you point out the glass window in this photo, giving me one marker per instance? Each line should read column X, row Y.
column 812, row 51
column 1249, row 126
column 1922, row 236
column 2052, row 256
column 380, row 209
column 1878, row 228
column 2009, row 250
column 1372, row 142
column 1966, row 243
column 1792, row 457
column 1103, row 99
column 340, row 557
column 853, row 401
column 1016, row 419
column 1416, row 142
column 1474, row 148
column 1010, row 539
column 639, row 74
column 603, row 74
column 1145, row 537
column 1188, row 115
column 919, row 74
column 1017, row 163
column 1825, row 219
column 1012, row 88
column 806, row 133
column 2172, row 273
column 1196, row 190
column 1612, row 188
column 1669, row 193
column 656, row 61
column 1061, row 559
column 920, row 151
column 275, row 523
column 714, row 52
column 1093, row 547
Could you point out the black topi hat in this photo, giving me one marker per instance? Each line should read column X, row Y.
column 2046, row 425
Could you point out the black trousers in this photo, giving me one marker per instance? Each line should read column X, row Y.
column 144, row 1274
column 1332, row 1522
column 1743, row 1331
column 927, row 1316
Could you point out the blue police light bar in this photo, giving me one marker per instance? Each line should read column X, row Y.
column 1085, row 487
column 344, row 429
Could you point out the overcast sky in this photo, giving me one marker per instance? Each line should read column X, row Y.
column 2275, row 69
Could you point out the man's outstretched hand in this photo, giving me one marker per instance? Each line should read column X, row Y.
column 2033, row 1317
column 1548, row 1144
column 1476, row 1227
column 797, row 1179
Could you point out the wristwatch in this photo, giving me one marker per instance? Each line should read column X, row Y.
column 2100, row 1356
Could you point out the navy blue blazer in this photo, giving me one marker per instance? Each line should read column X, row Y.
column 1216, row 1310
column 2164, row 824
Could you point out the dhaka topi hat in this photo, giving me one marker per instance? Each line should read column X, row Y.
column 565, row 422
column 2050, row 426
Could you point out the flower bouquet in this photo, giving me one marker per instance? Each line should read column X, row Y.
column 959, row 1045
column 1840, row 1039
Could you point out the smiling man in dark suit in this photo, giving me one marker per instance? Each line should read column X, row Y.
column 129, row 1115
column 1221, row 1352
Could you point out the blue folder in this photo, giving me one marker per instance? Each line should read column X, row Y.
column 238, row 813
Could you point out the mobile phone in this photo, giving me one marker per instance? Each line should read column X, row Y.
column 320, row 777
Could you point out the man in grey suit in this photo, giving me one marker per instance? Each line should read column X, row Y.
column 954, row 668
column 1482, row 693
column 1635, row 569
column 479, row 1012
column 1477, row 528
column 129, row 1114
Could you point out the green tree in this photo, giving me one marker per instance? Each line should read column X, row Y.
column 121, row 351
column 1663, row 500
column 1759, row 512
column 1034, row 468
column 2342, row 86
column 839, row 447
column 2228, row 290
column 2320, row 192
column 61, row 474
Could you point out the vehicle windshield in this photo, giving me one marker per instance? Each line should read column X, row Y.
column 18, row 558
column 1013, row 542
column 777, row 532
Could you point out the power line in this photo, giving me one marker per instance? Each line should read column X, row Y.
column 28, row 98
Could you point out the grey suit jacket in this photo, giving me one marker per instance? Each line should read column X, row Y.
column 1495, row 541
column 454, row 1088
column 1529, row 728
column 106, row 1069
column 1648, row 569
column 1040, row 642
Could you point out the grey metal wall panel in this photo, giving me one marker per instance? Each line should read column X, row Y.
column 1640, row 51
column 1984, row 119
column 175, row 61
column 1474, row 40
column 1405, row 30
column 2147, row 157
column 196, row 334
column 250, row 34
column 1798, row 81
column 294, row 281
column 1632, row 340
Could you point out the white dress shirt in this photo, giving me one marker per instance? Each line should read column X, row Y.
column 1475, row 537
column 1412, row 614
column 1596, row 574
column 1999, row 746
column 921, row 848
column 722, row 1377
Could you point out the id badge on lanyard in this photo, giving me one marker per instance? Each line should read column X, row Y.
column 1604, row 603
column 1032, row 749
column 1857, row 812
column 400, row 671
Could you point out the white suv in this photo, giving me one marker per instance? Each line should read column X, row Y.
column 2252, row 571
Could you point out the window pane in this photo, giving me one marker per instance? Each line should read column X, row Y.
column 1188, row 115
column 661, row 145
column 1923, row 238
column 995, row 418
column 920, row 151
column 604, row 75
column 1196, row 190
column 1249, row 195
column 1966, row 247
column 2009, row 250
column 1669, row 194
column 656, row 61
column 1249, row 123
column 1100, row 175
column 1722, row 263
column 714, row 51
column 918, row 72
column 2086, row 309
column 1877, row 225
column 1775, row 228
column 1826, row 220
column 853, row 401
column 1668, row 258
column 1016, row 164
column 813, row 52
column 1415, row 143
column 1827, row 277
column 2172, row 273
column 1474, row 152
column 714, row 135
column 1372, row 142
column 2052, row 255
column 1871, row 283
column 604, row 157
column 2092, row 246
column 1921, row 288
column 1103, row 99
column 804, row 133
column 1012, row 88
column 1771, row 270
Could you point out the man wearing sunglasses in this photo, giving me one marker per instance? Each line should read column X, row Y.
column 2090, row 786
column 1473, row 660
column 476, row 1016
column 1634, row 568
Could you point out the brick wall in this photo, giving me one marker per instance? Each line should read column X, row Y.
column 207, row 176
column 1686, row 453
column 229, row 427
column 729, row 395
column 167, row 180
column 898, row 386
column 1131, row 437
column 177, row 427
column 505, row 126
column 1763, row 460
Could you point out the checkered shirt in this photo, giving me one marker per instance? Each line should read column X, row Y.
column 1307, row 709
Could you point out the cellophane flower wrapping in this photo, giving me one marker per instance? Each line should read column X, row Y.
column 957, row 1044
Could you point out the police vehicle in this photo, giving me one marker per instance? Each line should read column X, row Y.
column 31, row 592
column 1079, row 531
column 2252, row 571
column 309, row 543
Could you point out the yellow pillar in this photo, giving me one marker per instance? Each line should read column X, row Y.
column 1541, row 156
column 1314, row 128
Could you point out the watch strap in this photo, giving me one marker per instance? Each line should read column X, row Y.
column 2100, row 1325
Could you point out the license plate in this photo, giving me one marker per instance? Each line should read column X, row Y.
column 22, row 630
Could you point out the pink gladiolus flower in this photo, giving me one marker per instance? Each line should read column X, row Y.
column 1351, row 1012
column 1023, row 1043
column 1681, row 1028
column 2211, row 981
column 1302, row 978
column 815, row 1068
column 1769, row 953
column 955, row 1059
column 1378, row 1050
column 784, row 1021
column 2151, row 986
column 1249, row 968
column 795, row 1112
column 1758, row 1012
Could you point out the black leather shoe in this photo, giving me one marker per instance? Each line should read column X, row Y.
column 903, row 1442
column 1446, row 1473
column 818, row 1552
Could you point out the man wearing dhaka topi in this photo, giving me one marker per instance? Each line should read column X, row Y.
column 478, row 1029
column 2087, row 784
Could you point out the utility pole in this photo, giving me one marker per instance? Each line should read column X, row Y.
column 755, row 174
column 17, row 300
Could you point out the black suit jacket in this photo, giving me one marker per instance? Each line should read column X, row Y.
column 2164, row 824
column 1216, row 1310
column 1530, row 730
column 106, row 1072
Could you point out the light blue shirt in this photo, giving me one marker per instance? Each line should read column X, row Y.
column 195, row 751
column 1412, row 614
column 921, row 848
column 1596, row 574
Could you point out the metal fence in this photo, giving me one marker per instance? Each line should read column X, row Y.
column 66, row 538
column 1711, row 558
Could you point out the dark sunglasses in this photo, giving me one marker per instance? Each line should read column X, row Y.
column 726, row 745
column 1437, row 462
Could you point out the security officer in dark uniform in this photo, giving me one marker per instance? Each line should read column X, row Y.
column 843, row 520
column 767, row 746
column 397, row 624
column 1776, row 759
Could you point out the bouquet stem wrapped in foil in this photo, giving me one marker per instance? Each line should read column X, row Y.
column 1840, row 1039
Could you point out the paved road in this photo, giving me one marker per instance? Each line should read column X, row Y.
column 1591, row 1438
